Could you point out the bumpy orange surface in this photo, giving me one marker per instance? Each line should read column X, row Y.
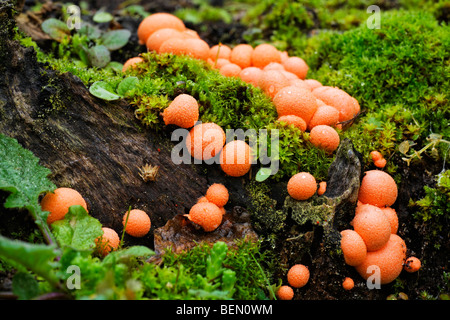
column 294, row 120
column 138, row 224
column 173, row 45
column 298, row 276
column 285, row 293
column 322, row 188
column 59, row 202
column 391, row 214
column 205, row 140
column 230, row 70
column 297, row 66
column 251, row 75
column 325, row 137
column 272, row 81
column 107, row 242
column 348, row 284
column 313, row 84
column 274, row 66
column 242, row 55
column 298, row 83
column 158, row 37
column 219, row 51
column 182, row 111
column 338, row 99
column 207, row 215
column 264, row 54
column 302, row 186
column 131, row 62
column 412, row 264
column 378, row 188
column 197, row 48
column 158, row 21
column 388, row 259
column 296, row 101
column 373, row 226
column 218, row 194
column 353, row 247
column 326, row 115
column 235, row 159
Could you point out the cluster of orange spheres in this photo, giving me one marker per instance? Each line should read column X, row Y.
column 297, row 277
column 373, row 246
column 304, row 103
column 57, row 203
column 303, row 185
column 209, row 209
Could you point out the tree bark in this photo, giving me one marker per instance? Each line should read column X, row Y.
column 94, row 146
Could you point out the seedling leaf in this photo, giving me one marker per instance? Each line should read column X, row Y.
column 103, row 90
column 102, row 17
column 116, row 39
column 55, row 28
column 126, row 85
column 99, row 56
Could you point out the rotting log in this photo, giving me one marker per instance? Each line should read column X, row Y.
column 94, row 146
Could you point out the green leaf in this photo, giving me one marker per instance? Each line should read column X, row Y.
column 91, row 31
column 126, row 85
column 99, row 56
column 103, row 90
column 126, row 254
column 263, row 174
column 56, row 29
column 25, row 286
column 215, row 260
column 77, row 230
column 38, row 258
column 115, row 66
column 115, row 39
column 24, row 178
column 102, row 17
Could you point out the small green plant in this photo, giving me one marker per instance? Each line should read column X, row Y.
column 105, row 91
column 90, row 45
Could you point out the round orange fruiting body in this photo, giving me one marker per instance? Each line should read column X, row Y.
column 219, row 51
column 158, row 21
column 293, row 100
column 322, row 188
column 378, row 188
column 236, row 159
column 264, row 54
column 202, row 199
column 218, row 194
column 197, row 49
column 302, row 186
column 272, row 81
column 131, row 62
column 298, row 83
column 107, row 242
column 205, row 140
column 391, row 214
column 274, row 66
column 158, row 37
column 242, row 55
column 412, row 264
column 251, row 75
column 338, row 99
column 207, row 215
column 59, row 202
column 285, row 293
column 297, row 66
column 373, row 226
column 324, row 137
column 381, row 163
column 283, row 55
column 138, row 224
column 182, row 111
column 298, row 276
column 353, row 247
column 324, row 115
column 290, row 76
column 294, row 120
column 313, row 84
column 348, row 284
column 175, row 46
column 230, row 70
column 386, row 262
column 376, row 155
